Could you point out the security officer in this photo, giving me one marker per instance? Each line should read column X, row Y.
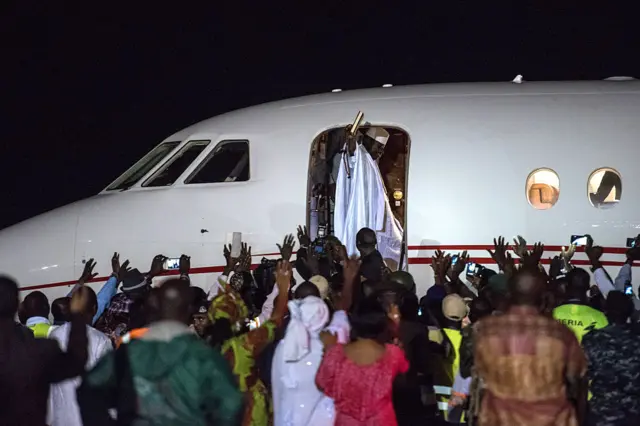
column 576, row 312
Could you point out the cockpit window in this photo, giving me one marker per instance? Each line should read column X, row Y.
column 171, row 171
column 142, row 167
column 227, row 162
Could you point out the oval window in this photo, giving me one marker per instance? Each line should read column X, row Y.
column 604, row 188
column 543, row 188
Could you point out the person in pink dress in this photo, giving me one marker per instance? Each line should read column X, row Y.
column 359, row 376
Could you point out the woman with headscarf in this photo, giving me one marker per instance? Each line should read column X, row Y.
column 296, row 399
column 228, row 331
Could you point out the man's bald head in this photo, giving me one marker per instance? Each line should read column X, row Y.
column 527, row 288
column 366, row 241
column 174, row 301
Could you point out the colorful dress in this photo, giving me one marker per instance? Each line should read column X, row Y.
column 241, row 352
column 362, row 394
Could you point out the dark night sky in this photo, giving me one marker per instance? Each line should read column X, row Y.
column 88, row 90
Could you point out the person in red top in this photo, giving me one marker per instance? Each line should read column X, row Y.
column 359, row 376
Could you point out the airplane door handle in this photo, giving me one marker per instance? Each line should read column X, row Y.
column 202, row 231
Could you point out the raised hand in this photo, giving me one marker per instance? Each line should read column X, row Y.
column 185, row 264
column 440, row 264
column 456, row 270
column 286, row 249
column 87, row 273
column 566, row 255
column 284, row 272
column 556, row 266
column 303, row 236
column 520, row 247
column 499, row 253
column 594, row 253
column 531, row 259
column 157, row 265
column 244, row 261
column 351, row 270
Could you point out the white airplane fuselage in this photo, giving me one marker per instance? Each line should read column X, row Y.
column 472, row 148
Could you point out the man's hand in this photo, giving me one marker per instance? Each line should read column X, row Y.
column 509, row 266
column 594, row 253
column 531, row 259
column 351, row 270
column 185, row 264
column 87, row 273
column 456, row 270
column 440, row 264
column 520, row 247
column 286, row 249
column 244, row 261
column 555, row 268
column 303, row 236
column 284, row 271
column 157, row 265
column 232, row 262
column 312, row 263
column 499, row 253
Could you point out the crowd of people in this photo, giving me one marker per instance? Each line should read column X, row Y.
column 352, row 343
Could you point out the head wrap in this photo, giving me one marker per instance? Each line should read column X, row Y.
column 228, row 304
column 308, row 317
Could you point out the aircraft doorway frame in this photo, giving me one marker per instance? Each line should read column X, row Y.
column 320, row 161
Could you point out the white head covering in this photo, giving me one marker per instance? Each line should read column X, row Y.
column 308, row 317
column 378, row 134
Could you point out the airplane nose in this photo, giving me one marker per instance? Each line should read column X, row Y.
column 39, row 252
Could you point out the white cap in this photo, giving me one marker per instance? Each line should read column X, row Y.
column 379, row 134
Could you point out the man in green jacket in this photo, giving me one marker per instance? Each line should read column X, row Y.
column 167, row 377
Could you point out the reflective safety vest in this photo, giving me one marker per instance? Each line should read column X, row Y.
column 443, row 393
column 581, row 319
column 136, row 333
column 41, row 330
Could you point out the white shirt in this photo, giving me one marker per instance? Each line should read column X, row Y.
column 296, row 399
column 362, row 202
column 63, row 406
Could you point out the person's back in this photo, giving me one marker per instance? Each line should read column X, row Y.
column 576, row 312
column 174, row 377
column 359, row 376
column 362, row 393
column 296, row 399
column 525, row 360
column 581, row 319
column 614, row 367
column 28, row 366
column 63, row 405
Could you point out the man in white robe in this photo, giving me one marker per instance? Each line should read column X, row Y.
column 361, row 201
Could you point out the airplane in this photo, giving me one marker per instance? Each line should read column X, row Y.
column 466, row 162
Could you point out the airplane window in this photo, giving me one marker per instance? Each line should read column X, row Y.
column 142, row 167
column 227, row 162
column 543, row 188
column 171, row 171
column 604, row 188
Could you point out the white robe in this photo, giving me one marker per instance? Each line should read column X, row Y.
column 63, row 406
column 362, row 202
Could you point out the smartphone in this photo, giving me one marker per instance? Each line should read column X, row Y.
column 172, row 263
column 322, row 231
column 631, row 242
column 454, row 259
column 628, row 289
column 236, row 244
column 579, row 240
column 471, row 268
